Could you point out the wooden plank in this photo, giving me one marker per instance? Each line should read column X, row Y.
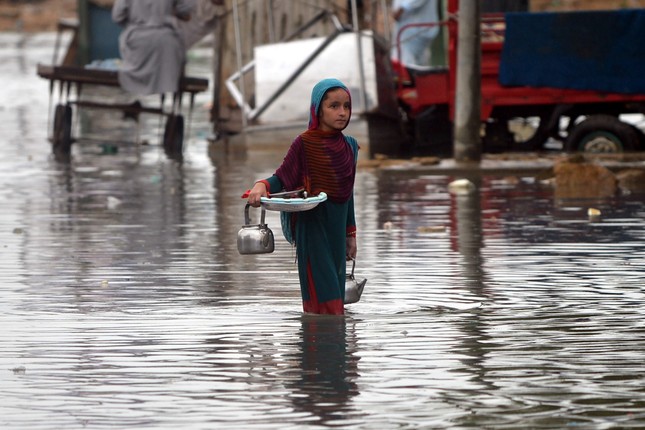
column 81, row 75
column 132, row 108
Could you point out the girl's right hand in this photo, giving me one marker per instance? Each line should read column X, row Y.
column 259, row 190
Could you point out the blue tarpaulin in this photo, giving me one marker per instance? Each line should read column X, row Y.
column 103, row 33
column 591, row 50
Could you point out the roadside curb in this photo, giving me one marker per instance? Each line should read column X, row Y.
column 510, row 164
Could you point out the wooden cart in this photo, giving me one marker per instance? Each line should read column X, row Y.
column 69, row 78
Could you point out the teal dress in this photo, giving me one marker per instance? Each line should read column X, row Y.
column 320, row 237
column 320, row 161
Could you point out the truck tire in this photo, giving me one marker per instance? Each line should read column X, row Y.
column 602, row 133
column 641, row 138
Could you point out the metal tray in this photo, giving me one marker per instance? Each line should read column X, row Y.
column 292, row 204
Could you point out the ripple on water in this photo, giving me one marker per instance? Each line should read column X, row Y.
column 126, row 305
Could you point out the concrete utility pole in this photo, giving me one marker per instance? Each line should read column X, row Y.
column 467, row 145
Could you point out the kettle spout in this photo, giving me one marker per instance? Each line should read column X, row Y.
column 360, row 287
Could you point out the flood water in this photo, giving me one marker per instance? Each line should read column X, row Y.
column 125, row 303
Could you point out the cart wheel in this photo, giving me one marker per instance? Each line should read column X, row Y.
column 62, row 138
column 602, row 133
column 173, row 137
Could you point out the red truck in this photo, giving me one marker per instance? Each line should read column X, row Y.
column 567, row 77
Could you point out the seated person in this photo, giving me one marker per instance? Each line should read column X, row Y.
column 202, row 21
column 151, row 47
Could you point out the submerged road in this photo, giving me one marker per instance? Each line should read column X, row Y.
column 126, row 305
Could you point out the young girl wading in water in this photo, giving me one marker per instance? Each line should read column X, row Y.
column 322, row 159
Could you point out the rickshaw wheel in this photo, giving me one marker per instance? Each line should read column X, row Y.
column 602, row 134
column 62, row 137
column 173, row 137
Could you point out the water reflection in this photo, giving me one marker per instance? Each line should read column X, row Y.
column 328, row 369
column 468, row 236
column 468, row 240
column 125, row 303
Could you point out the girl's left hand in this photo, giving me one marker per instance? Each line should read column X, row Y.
column 351, row 247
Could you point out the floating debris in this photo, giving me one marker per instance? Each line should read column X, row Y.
column 431, row 229
column 109, row 149
column 631, row 181
column 593, row 214
column 583, row 180
column 113, row 202
column 461, row 186
column 427, row 161
column 381, row 161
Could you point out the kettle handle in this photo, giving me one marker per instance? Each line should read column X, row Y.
column 247, row 217
column 351, row 275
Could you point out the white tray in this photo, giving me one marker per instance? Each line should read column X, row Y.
column 297, row 204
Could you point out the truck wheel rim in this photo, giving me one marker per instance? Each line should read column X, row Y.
column 601, row 142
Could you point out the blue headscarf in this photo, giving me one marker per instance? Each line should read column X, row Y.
column 317, row 95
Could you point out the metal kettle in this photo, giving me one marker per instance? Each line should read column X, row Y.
column 353, row 288
column 254, row 238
